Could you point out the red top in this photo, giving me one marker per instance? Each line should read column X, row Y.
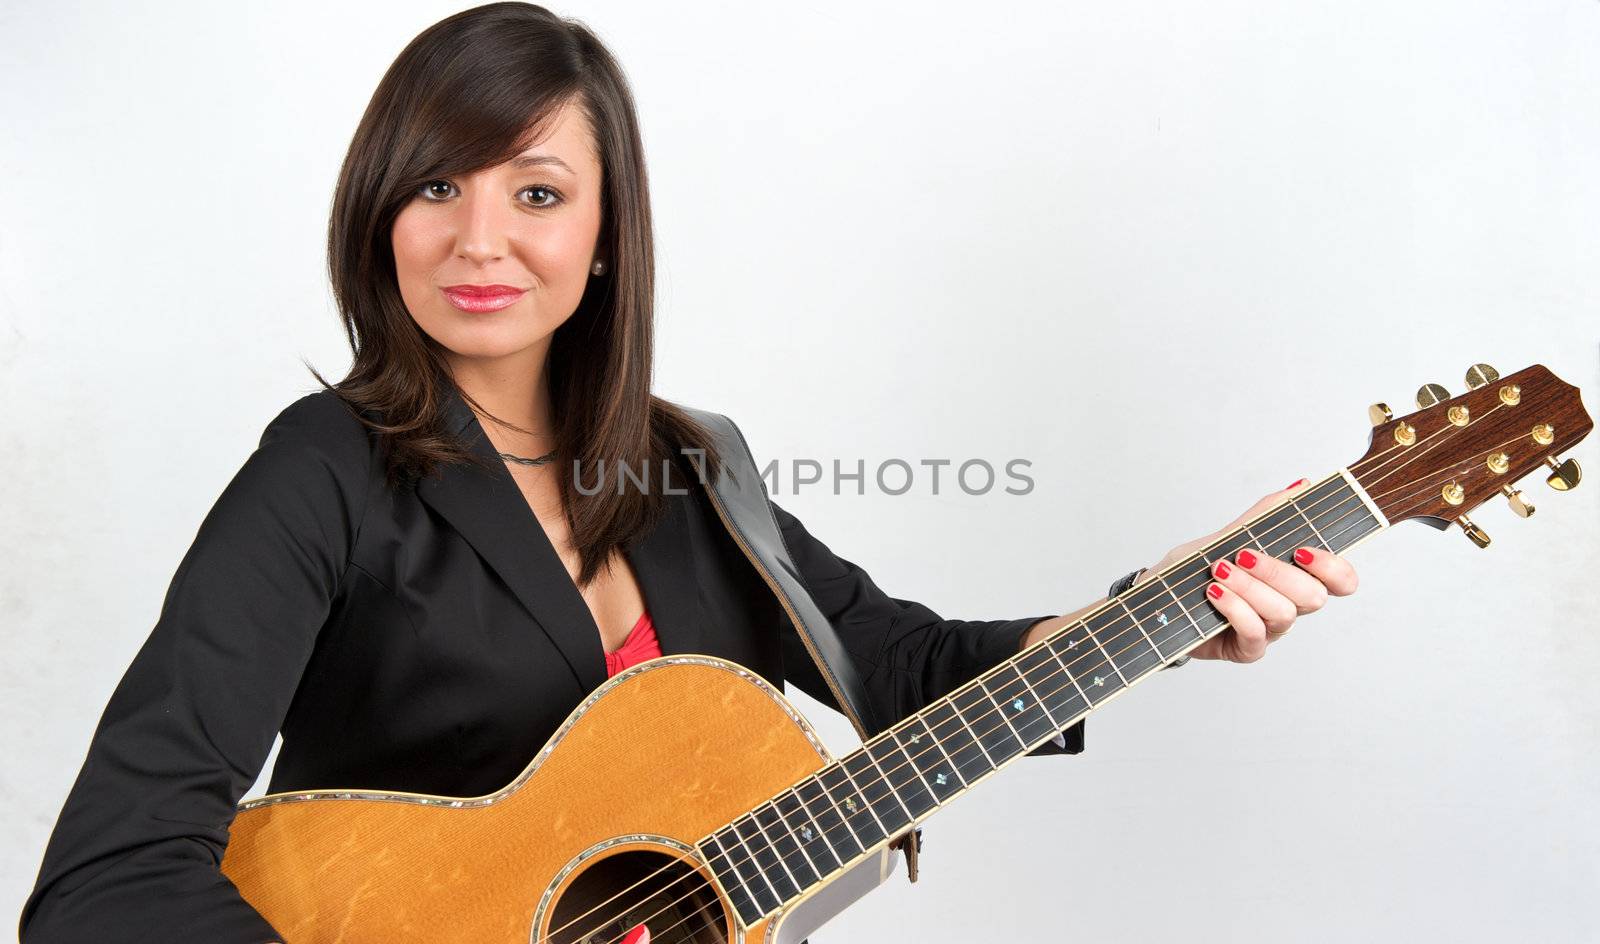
column 640, row 645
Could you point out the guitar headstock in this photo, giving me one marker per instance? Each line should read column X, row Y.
column 1455, row 453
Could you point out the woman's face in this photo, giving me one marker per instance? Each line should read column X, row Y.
column 530, row 225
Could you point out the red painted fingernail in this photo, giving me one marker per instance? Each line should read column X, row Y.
column 1304, row 556
column 1295, row 484
column 1221, row 569
column 639, row 935
column 1247, row 559
column 1214, row 591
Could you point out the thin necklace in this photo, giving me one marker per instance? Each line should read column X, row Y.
column 524, row 460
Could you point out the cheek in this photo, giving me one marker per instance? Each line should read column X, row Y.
column 414, row 248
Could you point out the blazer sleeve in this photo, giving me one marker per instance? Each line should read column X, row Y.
column 906, row 654
column 135, row 851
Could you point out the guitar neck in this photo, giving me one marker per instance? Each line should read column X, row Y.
column 812, row 831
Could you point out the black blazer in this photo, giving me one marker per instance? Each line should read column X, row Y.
column 423, row 639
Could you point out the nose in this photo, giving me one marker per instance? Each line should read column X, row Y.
column 483, row 223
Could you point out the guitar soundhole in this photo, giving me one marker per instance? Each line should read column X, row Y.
column 610, row 896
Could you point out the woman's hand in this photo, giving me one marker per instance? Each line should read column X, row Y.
column 1259, row 595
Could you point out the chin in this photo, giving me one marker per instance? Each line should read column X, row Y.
column 487, row 336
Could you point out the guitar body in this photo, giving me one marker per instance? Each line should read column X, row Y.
column 654, row 760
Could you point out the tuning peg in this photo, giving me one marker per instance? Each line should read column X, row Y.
column 1566, row 476
column 1429, row 394
column 1379, row 414
column 1475, row 533
column 1480, row 374
column 1520, row 506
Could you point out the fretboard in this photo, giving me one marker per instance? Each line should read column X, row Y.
column 849, row 808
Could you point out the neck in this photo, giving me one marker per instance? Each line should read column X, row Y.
column 514, row 389
column 896, row 779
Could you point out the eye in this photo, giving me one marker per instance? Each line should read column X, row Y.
column 546, row 190
column 428, row 192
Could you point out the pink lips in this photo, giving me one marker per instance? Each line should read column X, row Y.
column 478, row 298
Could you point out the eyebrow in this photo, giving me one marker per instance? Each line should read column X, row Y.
column 533, row 160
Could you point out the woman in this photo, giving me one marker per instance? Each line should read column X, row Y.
column 371, row 584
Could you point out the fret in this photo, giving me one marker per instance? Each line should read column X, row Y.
column 858, row 816
column 1348, row 514
column 1105, row 653
column 1285, row 529
column 785, row 846
column 794, row 819
column 829, row 821
column 1358, row 525
column 1169, row 632
column 1327, row 494
column 1083, row 661
column 1053, row 682
column 1210, row 611
column 756, row 887
column 987, row 724
column 1137, row 622
column 974, row 735
column 1175, row 623
column 1223, row 550
column 764, row 860
column 938, row 770
column 717, row 859
column 1127, row 646
column 1001, row 711
column 957, row 741
column 1038, row 699
column 1067, row 669
column 767, row 895
column 880, row 797
column 1024, row 714
column 1296, row 506
column 902, row 775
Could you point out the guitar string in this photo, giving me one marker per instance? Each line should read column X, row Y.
column 844, row 824
column 1377, row 460
column 937, row 744
column 782, row 819
column 779, row 858
column 1273, row 535
column 1121, row 633
column 713, row 919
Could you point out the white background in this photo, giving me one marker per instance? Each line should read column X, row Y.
column 1166, row 251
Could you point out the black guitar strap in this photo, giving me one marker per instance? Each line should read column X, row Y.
column 739, row 494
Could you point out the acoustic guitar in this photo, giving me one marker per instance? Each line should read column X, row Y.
column 687, row 795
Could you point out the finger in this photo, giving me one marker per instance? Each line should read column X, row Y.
column 1306, row 592
column 1334, row 571
column 1250, row 634
column 1277, row 611
column 1267, row 501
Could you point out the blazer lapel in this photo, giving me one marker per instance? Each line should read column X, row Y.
column 664, row 563
column 488, row 509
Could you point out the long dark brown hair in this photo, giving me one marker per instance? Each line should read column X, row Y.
column 470, row 92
